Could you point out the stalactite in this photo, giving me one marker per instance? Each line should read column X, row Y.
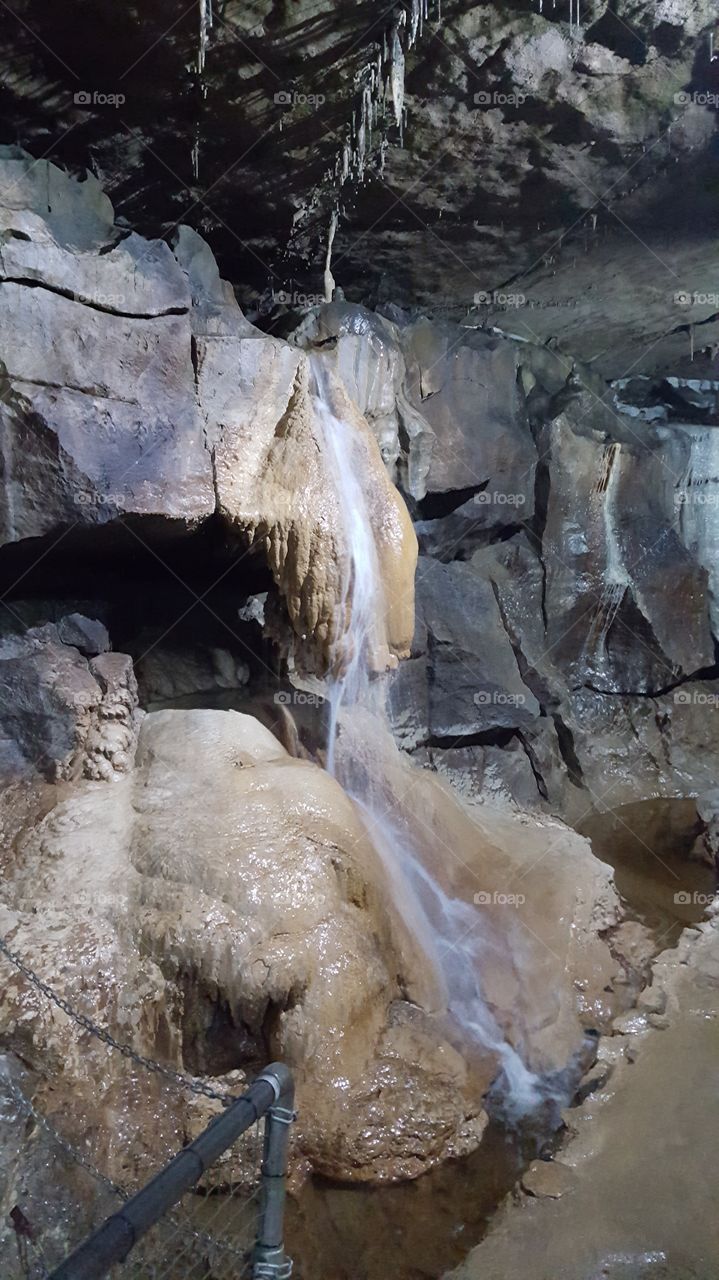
column 397, row 74
column 574, row 18
column 364, row 130
column 329, row 279
column 380, row 100
column 206, row 22
column 414, row 22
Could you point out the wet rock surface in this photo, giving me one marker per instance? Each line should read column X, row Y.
column 307, row 959
column 575, row 610
column 566, row 607
column 195, row 413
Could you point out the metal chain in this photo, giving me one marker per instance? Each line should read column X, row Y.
column 61, row 1142
column 203, row 1237
column 178, row 1077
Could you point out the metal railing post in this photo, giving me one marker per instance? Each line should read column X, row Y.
column 272, row 1091
column 269, row 1260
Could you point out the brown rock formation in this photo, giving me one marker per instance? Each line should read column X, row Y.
column 224, row 904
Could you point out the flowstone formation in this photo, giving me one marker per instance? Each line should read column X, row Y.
column 223, row 905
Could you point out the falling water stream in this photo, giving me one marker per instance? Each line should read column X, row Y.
column 446, row 927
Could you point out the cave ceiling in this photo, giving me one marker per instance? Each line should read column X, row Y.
column 535, row 158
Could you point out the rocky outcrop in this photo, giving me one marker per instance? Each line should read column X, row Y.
column 95, row 327
column 66, row 712
column 462, row 680
column 442, row 400
column 565, row 594
column 194, row 412
column 569, row 518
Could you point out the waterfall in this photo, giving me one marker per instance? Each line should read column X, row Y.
column 446, row 927
column 616, row 580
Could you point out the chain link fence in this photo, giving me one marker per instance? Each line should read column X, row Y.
column 214, row 1213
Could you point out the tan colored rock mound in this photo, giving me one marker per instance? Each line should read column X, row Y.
column 219, row 908
column 222, row 905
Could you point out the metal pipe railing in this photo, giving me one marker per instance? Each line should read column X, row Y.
column 270, row 1095
column 269, row 1259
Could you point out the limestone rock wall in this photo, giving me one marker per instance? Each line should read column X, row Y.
column 131, row 386
column 565, row 590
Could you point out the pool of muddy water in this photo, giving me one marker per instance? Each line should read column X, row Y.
column 411, row 1231
column 649, row 846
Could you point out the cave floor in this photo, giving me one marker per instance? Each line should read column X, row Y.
column 642, row 1198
